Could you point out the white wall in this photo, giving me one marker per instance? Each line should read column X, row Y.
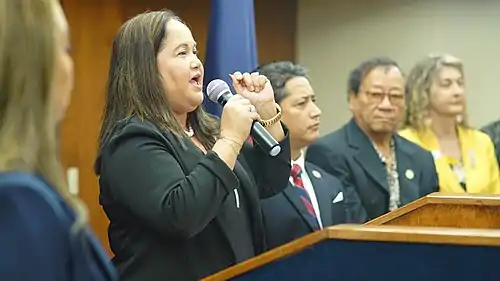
column 334, row 37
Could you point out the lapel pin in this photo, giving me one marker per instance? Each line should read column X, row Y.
column 316, row 174
column 409, row 174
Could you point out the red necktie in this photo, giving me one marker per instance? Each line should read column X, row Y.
column 304, row 195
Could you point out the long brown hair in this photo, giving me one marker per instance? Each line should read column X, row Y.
column 135, row 84
column 28, row 138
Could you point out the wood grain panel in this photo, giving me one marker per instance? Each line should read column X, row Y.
column 275, row 23
column 446, row 215
column 447, row 210
column 93, row 24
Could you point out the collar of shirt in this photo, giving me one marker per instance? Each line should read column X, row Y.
column 300, row 161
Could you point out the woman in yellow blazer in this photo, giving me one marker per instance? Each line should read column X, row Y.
column 436, row 119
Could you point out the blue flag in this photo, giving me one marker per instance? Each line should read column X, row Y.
column 231, row 44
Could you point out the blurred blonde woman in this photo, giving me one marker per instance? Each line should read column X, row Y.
column 436, row 119
column 43, row 233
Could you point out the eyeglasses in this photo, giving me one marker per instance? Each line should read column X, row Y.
column 378, row 97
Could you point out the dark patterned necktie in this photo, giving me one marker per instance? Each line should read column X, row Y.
column 304, row 195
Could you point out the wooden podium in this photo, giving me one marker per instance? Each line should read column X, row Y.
column 447, row 210
column 371, row 252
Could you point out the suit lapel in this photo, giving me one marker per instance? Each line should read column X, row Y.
column 228, row 218
column 248, row 188
column 247, row 182
column 323, row 192
column 366, row 156
column 407, row 175
column 293, row 196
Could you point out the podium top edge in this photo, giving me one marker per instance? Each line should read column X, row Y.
column 413, row 234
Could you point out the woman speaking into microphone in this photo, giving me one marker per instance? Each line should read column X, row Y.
column 181, row 189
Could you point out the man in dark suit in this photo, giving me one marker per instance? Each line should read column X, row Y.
column 493, row 130
column 367, row 155
column 314, row 199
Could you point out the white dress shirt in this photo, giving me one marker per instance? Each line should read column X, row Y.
column 308, row 186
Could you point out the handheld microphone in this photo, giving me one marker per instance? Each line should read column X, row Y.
column 218, row 91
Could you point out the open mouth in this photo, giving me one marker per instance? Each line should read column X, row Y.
column 196, row 80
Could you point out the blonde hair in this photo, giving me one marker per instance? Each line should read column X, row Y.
column 28, row 141
column 418, row 86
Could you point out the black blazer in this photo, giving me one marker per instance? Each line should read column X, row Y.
column 286, row 218
column 174, row 212
column 348, row 154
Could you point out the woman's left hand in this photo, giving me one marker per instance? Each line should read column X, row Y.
column 258, row 90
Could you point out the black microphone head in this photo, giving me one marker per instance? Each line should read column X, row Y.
column 216, row 88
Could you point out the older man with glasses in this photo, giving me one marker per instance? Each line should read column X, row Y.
column 367, row 155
